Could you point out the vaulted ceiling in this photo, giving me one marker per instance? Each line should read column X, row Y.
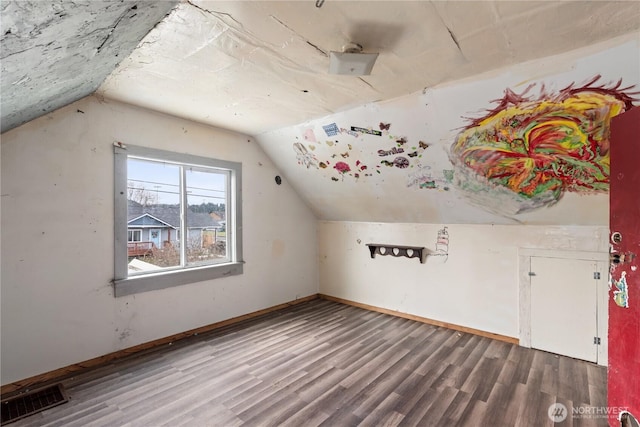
column 53, row 53
column 255, row 66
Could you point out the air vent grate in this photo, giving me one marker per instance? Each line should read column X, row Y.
column 32, row 402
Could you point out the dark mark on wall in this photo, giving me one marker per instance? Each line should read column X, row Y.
column 367, row 131
column 385, row 126
column 80, row 111
column 333, row 178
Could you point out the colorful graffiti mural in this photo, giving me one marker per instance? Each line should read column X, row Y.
column 536, row 147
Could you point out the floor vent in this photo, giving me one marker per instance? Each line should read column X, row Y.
column 32, row 402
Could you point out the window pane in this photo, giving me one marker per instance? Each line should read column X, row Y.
column 153, row 207
column 206, row 216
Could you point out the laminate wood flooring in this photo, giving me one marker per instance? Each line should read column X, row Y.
column 322, row 363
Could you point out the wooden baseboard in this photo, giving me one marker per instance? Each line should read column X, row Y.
column 455, row 327
column 58, row 375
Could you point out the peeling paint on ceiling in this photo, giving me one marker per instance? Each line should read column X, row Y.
column 55, row 52
column 256, row 66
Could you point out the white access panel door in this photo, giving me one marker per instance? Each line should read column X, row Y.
column 564, row 307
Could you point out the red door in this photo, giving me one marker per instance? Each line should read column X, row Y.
column 624, row 295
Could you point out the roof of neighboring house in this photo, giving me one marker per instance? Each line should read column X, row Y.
column 138, row 214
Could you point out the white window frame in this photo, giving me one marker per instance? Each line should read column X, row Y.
column 127, row 285
column 133, row 233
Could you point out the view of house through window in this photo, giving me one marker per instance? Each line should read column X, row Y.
column 176, row 215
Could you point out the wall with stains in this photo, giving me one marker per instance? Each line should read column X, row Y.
column 518, row 158
column 524, row 145
column 470, row 275
column 57, row 241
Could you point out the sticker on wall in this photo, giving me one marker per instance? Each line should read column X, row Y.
column 309, row 136
column 367, row 131
column 530, row 149
column 384, row 126
column 402, row 155
column 349, row 132
column 394, row 150
column 621, row 294
column 331, row 130
column 342, row 167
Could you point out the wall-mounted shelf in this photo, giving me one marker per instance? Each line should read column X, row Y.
column 397, row 251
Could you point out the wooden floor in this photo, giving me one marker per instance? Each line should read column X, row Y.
column 324, row 363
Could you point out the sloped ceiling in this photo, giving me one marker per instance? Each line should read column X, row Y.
column 255, row 66
column 56, row 52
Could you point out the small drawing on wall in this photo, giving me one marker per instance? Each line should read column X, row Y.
column 442, row 244
column 530, row 149
column 304, row 157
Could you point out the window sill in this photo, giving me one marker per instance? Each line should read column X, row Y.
column 167, row 279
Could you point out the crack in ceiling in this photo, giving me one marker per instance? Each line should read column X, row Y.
column 254, row 67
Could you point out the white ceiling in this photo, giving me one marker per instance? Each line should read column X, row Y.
column 53, row 53
column 255, row 66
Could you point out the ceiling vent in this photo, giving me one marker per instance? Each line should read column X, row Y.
column 351, row 61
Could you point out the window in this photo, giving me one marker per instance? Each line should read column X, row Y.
column 177, row 219
column 134, row 235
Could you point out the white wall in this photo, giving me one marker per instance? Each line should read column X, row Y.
column 434, row 186
column 475, row 286
column 57, row 238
